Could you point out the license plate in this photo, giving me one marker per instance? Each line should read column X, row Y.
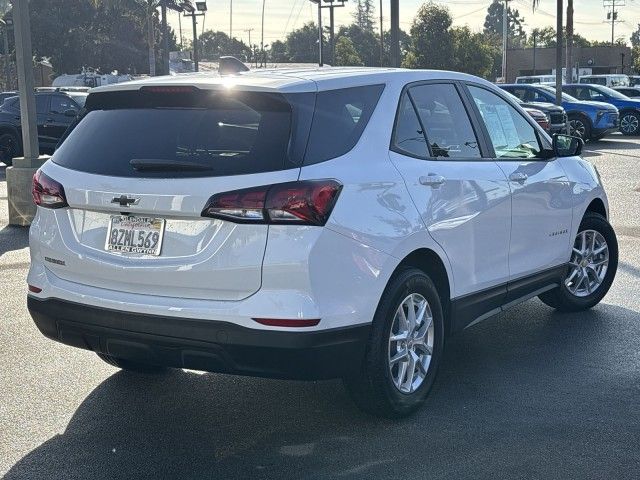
column 133, row 234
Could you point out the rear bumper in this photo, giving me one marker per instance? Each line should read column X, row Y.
column 202, row 344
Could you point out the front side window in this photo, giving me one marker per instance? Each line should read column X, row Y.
column 445, row 121
column 60, row 104
column 511, row 134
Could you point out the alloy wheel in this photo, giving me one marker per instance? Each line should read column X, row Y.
column 588, row 264
column 578, row 128
column 411, row 342
column 629, row 124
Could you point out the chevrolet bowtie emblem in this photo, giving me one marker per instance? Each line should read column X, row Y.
column 125, row 201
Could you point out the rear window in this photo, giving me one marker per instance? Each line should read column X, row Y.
column 204, row 133
column 136, row 134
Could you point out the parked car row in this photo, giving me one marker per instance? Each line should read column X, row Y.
column 55, row 111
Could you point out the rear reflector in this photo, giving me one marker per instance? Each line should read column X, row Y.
column 34, row 289
column 306, row 202
column 294, row 322
column 47, row 192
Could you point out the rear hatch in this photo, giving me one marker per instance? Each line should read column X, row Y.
column 138, row 170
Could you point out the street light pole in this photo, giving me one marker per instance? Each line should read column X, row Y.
column 262, row 35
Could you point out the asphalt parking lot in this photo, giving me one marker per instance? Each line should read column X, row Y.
column 530, row 393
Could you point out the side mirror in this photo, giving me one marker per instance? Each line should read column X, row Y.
column 70, row 113
column 567, row 145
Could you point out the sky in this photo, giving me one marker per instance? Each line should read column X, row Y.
column 283, row 16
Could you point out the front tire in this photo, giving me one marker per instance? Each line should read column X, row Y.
column 579, row 126
column 132, row 366
column 8, row 148
column 405, row 348
column 592, row 267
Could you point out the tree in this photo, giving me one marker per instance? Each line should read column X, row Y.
column 302, row 44
column 346, row 54
column 493, row 23
column 215, row 44
column 364, row 16
column 431, row 39
column 366, row 43
column 473, row 53
column 278, row 52
column 106, row 35
column 635, row 38
column 405, row 44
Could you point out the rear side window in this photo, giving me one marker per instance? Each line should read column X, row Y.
column 443, row 123
column 339, row 119
column 215, row 134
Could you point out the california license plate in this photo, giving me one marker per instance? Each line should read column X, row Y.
column 133, row 234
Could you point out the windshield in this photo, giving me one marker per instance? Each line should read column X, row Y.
column 565, row 96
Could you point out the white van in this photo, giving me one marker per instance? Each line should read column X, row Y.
column 606, row 80
column 537, row 79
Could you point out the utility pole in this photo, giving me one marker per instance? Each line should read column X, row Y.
column 230, row 20
column 535, row 46
column 19, row 176
column 320, row 59
column 165, row 39
column 249, row 30
column 262, row 35
column 505, row 36
column 569, row 54
column 381, row 36
column 331, row 5
column 559, row 22
column 394, row 16
column 612, row 15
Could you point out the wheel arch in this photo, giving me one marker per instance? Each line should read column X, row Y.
column 597, row 206
column 6, row 128
column 429, row 262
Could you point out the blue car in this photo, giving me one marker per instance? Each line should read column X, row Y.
column 629, row 108
column 587, row 120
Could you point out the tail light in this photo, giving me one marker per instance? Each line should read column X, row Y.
column 307, row 202
column 47, row 192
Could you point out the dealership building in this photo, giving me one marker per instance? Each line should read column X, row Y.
column 586, row 61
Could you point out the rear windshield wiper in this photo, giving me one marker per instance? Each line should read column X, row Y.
column 165, row 164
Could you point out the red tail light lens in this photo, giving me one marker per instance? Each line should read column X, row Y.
column 47, row 192
column 307, row 202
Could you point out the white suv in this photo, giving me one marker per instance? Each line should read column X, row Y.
column 309, row 224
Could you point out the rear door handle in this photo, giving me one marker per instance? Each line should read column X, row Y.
column 518, row 177
column 431, row 180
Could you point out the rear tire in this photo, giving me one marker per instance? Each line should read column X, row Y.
column 630, row 123
column 8, row 148
column 132, row 366
column 402, row 360
column 590, row 274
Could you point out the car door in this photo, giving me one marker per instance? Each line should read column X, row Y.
column 57, row 120
column 463, row 197
column 541, row 195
